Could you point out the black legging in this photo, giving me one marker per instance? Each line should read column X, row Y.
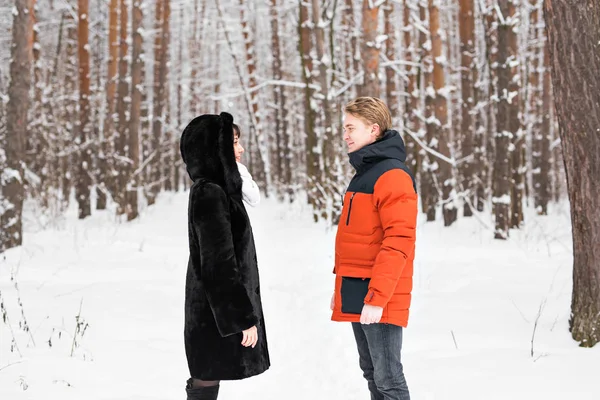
column 199, row 383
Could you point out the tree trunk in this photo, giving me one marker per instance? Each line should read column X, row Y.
column 391, row 87
column 411, row 106
column 546, row 135
column 325, row 138
column 36, row 146
column 70, row 117
column 369, row 50
column 283, row 177
column 194, row 52
column 429, row 192
column 104, row 177
column 167, row 156
column 311, row 142
column 517, row 134
column 84, row 181
column 502, row 163
column 534, row 116
column 442, row 134
column 352, row 56
column 137, row 17
column 258, row 164
column 154, row 178
column 575, row 61
column 467, row 50
column 11, row 208
column 487, row 138
column 123, row 103
column 177, row 164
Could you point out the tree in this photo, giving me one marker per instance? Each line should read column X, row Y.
column 390, row 54
column 441, row 131
column 370, row 50
column 311, row 139
column 413, row 95
column 11, row 178
column 257, row 162
column 111, row 86
column 84, row 181
column 154, row 175
column 282, row 156
column 467, row 50
column 573, row 35
column 136, row 103
column 123, row 103
column 502, row 165
column 516, row 133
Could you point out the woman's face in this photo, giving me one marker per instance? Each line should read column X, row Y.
column 237, row 148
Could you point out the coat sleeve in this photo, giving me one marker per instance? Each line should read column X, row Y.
column 219, row 269
column 396, row 202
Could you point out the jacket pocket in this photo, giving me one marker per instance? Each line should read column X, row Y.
column 350, row 208
column 353, row 293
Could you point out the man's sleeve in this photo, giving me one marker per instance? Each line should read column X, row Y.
column 396, row 201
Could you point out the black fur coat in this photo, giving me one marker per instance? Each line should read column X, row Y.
column 222, row 295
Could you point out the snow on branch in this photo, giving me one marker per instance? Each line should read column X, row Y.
column 431, row 151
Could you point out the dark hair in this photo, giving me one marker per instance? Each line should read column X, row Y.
column 236, row 131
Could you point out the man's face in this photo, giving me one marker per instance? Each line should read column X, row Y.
column 357, row 134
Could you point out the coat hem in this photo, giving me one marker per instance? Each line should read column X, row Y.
column 230, row 377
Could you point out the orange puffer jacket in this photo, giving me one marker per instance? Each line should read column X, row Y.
column 377, row 231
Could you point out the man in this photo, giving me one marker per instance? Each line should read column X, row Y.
column 375, row 246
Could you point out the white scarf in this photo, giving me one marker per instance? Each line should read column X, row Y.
column 250, row 190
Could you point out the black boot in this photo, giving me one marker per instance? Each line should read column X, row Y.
column 201, row 393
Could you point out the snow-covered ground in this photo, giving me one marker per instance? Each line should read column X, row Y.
column 476, row 303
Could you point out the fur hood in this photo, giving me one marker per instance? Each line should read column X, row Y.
column 207, row 150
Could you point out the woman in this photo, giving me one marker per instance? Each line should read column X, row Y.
column 250, row 190
column 224, row 332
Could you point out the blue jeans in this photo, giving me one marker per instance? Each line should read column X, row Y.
column 379, row 347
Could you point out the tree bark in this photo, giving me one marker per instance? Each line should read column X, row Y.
column 84, row 181
column 502, row 163
column 429, row 192
column 391, row 86
column 574, row 34
column 11, row 208
column 517, row 134
column 412, row 101
column 467, row 50
column 123, row 103
column 441, row 129
column 310, row 142
column 352, row 56
column 283, row 155
column 154, row 176
column 137, row 17
column 546, row 135
column 67, row 139
column 369, row 50
column 167, row 162
column 105, row 180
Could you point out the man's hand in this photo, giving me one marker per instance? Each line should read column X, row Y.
column 332, row 305
column 250, row 337
column 370, row 314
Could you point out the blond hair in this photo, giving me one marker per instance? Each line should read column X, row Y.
column 371, row 110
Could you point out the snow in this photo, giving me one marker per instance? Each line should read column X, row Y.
column 476, row 301
column 9, row 174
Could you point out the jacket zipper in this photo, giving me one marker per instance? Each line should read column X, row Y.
column 350, row 208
